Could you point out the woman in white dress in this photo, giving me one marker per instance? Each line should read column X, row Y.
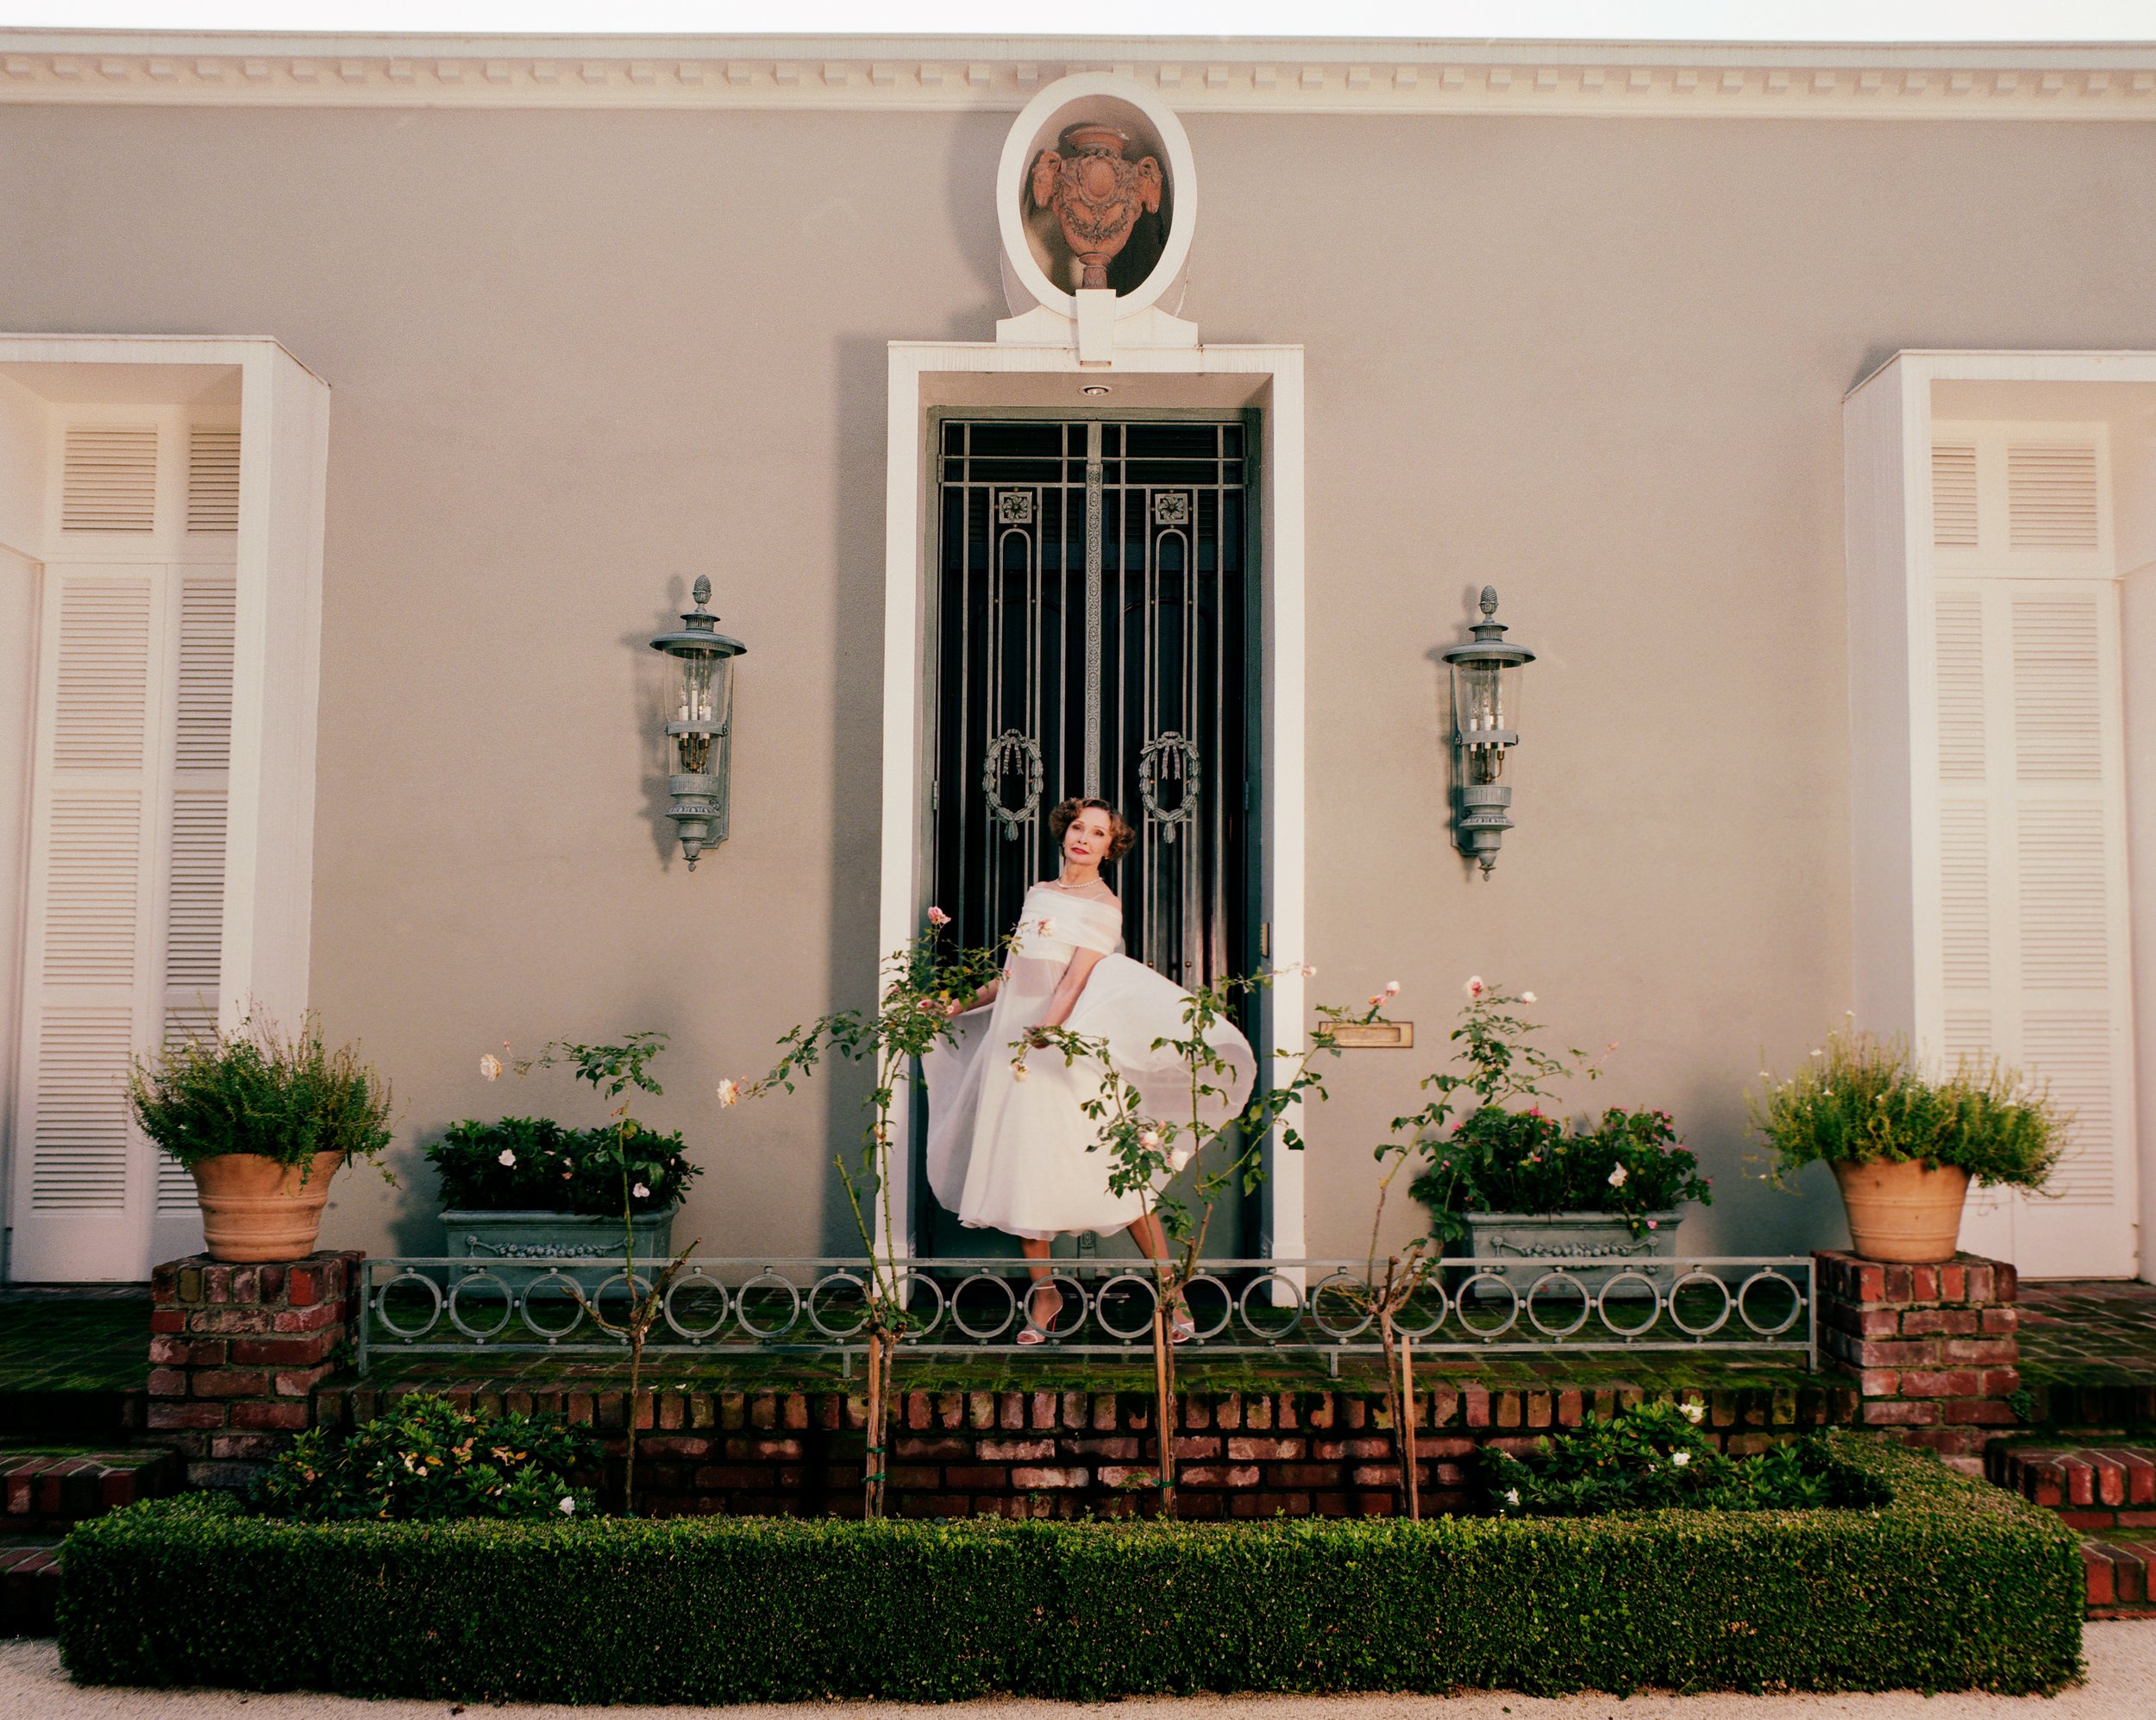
column 1010, row 1147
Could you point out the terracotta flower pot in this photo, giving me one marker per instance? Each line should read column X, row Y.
column 255, row 1209
column 1902, row 1213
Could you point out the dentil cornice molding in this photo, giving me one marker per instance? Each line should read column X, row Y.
column 1648, row 80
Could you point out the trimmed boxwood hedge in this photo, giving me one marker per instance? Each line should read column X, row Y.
column 1952, row 1584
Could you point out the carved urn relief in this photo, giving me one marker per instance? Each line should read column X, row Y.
column 1097, row 193
column 1096, row 197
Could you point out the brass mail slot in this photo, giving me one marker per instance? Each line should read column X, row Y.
column 1389, row 1036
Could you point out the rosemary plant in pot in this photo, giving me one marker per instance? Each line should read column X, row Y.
column 262, row 1120
column 1903, row 1146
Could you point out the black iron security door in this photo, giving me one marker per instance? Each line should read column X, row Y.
column 1095, row 631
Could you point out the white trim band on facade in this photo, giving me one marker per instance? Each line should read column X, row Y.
column 1641, row 79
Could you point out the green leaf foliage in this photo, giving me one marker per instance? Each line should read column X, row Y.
column 286, row 1096
column 1948, row 1585
column 1630, row 1164
column 553, row 1169
column 1652, row 1457
column 1865, row 1101
column 426, row 1460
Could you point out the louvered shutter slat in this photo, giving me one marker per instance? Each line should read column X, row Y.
column 2051, row 497
column 108, row 478
column 1953, row 496
column 213, row 478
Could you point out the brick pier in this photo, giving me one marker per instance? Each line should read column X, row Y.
column 236, row 1354
column 1934, row 1350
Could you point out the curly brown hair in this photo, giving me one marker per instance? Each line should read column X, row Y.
column 1120, row 835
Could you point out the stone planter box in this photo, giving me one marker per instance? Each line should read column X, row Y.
column 523, row 1246
column 1530, row 1244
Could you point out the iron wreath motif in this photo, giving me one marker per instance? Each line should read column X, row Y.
column 1169, row 758
column 1013, row 751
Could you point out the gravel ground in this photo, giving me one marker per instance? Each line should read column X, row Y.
column 2121, row 1683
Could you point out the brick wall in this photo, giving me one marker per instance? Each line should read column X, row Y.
column 1934, row 1350
column 1060, row 1453
column 237, row 1353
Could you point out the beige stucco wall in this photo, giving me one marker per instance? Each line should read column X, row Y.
column 580, row 358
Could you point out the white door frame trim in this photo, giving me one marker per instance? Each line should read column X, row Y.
column 924, row 375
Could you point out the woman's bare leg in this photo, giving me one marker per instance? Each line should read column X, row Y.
column 1039, row 1264
column 1151, row 1236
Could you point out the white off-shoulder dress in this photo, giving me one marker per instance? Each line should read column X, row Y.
column 1023, row 1156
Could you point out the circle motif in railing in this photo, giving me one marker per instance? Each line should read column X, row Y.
column 1104, row 1300
column 1341, row 1305
column 775, row 1282
column 1010, row 1310
column 634, row 1285
column 697, row 1281
column 1460, row 1300
column 557, row 1280
column 832, row 1282
column 1413, row 1319
column 455, row 1310
column 1654, row 1303
column 904, row 1289
column 1212, row 1288
column 409, row 1334
column 1796, row 1303
column 1676, row 1317
column 1288, row 1312
column 1566, row 1279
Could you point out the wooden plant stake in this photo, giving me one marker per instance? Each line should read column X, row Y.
column 1164, row 1408
column 1407, row 1437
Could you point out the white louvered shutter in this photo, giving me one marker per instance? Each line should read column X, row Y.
column 194, row 893
column 81, row 1172
column 108, row 478
column 2033, row 953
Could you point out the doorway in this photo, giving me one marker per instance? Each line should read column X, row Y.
column 1094, row 635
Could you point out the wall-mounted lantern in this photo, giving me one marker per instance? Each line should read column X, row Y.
column 1485, row 708
column 700, row 733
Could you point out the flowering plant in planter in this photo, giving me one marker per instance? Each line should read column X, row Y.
column 1903, row 1145
column 1496, row 1158
column 535, row 1164
column 1630, row 1164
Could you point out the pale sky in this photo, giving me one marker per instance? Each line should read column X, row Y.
column 1851, row 21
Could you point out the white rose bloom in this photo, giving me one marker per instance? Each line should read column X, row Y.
column 1680, row 1458
column 1617, row 1178
column 1693, row 1413
column 568, row 1507
column 490, row 1067
column 1180, row 1154
column 729, row 1092
column 1474, row 988
column 506, row 1157
column 1149, row 1138
column 1527, row 997
column 640, row 1192
column 1511, row 1496
column 1392, row 988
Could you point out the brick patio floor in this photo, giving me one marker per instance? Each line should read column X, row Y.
column 2089, row 1330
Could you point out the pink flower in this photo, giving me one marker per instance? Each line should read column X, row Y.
column 1392, row 988
column 936, row 916
column 1653, row 1224
column 1475, row 987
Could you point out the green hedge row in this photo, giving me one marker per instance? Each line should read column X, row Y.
column 1952, row 1584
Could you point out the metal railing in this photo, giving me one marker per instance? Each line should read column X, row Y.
column 436, row 1306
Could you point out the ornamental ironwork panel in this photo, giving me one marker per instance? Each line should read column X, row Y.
column 1478, row 1307
column 1093, row 636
